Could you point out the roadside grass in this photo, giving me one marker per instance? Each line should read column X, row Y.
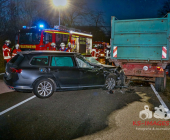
column 2, row 69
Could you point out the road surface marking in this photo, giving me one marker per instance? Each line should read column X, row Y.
column 5, row 111
column 2, row 73
column 160, row 99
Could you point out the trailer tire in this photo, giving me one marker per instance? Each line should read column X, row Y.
column 122, row 78
column 160, row 83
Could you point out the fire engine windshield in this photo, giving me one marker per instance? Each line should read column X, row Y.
column 29, row 38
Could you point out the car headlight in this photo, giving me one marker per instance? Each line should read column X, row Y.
column 102, row 54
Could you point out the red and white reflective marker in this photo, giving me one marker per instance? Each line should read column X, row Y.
column 115, row 51
column 164, row 52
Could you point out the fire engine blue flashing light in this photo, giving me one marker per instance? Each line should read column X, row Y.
column 24, row 27
column 41, row 26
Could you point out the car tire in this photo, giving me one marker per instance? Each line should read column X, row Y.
column 43, row 88
column 110, row 82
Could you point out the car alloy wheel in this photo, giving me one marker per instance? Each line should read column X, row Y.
column 110, row 83
column 43, row 88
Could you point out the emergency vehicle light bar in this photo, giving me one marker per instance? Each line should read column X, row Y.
column 41, row 26
column 25, row 27
column 72, row 32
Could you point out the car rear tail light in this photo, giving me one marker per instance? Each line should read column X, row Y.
column 13, row 70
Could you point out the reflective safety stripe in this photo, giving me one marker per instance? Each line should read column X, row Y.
column 7, row 57
column 115, row 51
column 5, row 49
column 164, row 52
column 14, row 53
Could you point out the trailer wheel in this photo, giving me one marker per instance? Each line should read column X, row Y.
column 160, row 83
column 122, row 78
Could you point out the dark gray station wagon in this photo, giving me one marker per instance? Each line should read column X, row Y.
column 48, row 71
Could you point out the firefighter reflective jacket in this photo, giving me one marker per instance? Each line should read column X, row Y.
column 15, row 52
column 6, row 52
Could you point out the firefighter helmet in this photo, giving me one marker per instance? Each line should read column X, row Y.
column 7, row 41
column 17, row 46
column 62, row 45
column 53, row 44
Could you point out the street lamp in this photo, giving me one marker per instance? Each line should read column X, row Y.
column 59, row 4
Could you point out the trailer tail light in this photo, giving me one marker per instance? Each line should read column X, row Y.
column 160, row 69
column 13, row 70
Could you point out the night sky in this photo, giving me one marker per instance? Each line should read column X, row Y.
column 127, row 9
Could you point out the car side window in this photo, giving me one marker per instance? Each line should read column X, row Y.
column 40, row 61
column 82, row 63
column 62, row 61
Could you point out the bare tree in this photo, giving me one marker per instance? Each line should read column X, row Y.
column 74, row 13
column 29, row 11
column 97, row 18
column 165, row 9
column 3, row 16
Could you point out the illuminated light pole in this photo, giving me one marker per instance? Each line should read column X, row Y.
column 59, row 3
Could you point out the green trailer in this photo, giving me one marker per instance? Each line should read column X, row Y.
column 141, row 48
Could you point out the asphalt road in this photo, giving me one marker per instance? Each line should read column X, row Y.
column 65, row 115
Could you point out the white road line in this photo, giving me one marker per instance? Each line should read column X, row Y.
column 5, row 111
column 2, row 73
column 161, row 101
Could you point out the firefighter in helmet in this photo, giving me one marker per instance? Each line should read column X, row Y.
column 14, row 52
column 53, row 47
column 95, row 52
column 6, row 51
column 63, row 47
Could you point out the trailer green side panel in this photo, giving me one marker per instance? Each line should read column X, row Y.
column 140, row 39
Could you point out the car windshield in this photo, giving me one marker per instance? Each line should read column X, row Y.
column 92, row 60
column 29, row 38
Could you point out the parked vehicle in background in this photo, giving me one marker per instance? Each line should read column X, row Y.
column 39, row 38
column 141, row 48
column 44, row 72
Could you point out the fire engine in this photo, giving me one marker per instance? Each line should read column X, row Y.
column 101, row 51
column 34, row 38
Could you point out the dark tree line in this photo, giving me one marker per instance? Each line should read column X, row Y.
column 16, row 13
column 164, row 9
